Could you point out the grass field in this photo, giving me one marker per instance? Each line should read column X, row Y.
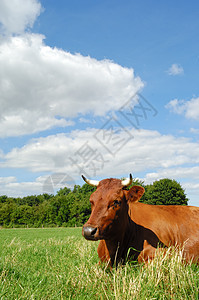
column 57, row 263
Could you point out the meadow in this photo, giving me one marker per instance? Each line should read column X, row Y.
column 58, row 263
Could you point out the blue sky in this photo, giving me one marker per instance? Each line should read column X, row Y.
column 103, row 88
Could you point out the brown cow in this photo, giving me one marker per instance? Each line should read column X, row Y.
column 127, row 228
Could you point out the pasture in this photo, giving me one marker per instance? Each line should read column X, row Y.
column 58, row 263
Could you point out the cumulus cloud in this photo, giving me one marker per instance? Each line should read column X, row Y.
column 7, row 180
column 10, row 187
column 146, row 150
column 43, row 184
column 22, row 125
column 194, row 130
column 178, row 172
column 79, row 153
column 175, row 69
column 188, row 108
column 43, row 87
column 40, row 86
column 17, row 15
column 84, row 120
column 176, row 106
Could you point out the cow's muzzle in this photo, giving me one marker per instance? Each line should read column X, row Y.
column 90, row 233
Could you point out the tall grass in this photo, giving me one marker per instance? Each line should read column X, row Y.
column 60, row 264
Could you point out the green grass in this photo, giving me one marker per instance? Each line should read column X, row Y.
column 58, row 263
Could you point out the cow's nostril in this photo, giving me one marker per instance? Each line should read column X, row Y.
column 93, row 232
column 89, row 232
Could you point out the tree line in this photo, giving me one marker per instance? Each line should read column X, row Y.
column 71, row 207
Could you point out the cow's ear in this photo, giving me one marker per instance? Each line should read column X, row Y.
column 135, row 193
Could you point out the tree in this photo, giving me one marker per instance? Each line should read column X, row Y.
column 164, row 191
column 6, row 210
column 72, row 207
column 63, row 192
column 3, row 199
column 23, row 215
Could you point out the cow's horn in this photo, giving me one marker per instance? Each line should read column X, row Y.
column 91, row 182
column 127, row 181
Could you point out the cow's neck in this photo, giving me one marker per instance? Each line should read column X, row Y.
column 119, row 246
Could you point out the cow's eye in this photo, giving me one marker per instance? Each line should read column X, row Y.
column 116, row 203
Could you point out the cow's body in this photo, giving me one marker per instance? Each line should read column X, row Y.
column 127, row 228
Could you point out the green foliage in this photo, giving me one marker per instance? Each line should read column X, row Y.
column 166, row 192
column 72, row 207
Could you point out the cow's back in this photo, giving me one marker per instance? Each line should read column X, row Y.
column 173, row 224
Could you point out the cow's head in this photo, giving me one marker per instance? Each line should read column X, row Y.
column 109, row 207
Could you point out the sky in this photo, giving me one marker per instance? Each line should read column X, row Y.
column 100, row 88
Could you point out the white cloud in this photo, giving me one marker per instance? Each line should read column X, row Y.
column 10, row 187
column 15, row 125
column 188, row 108
column 192, row 109
column 146, row 150
column 177, row 172
column 50, row 184
column 7, row 180
column 175, row 69
column 166, row 155
column 17, row 15
column 192, row 186
column 43, row 87
column 194, row 130
column 39, row 83
column 84, row 120
column 176, row 106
